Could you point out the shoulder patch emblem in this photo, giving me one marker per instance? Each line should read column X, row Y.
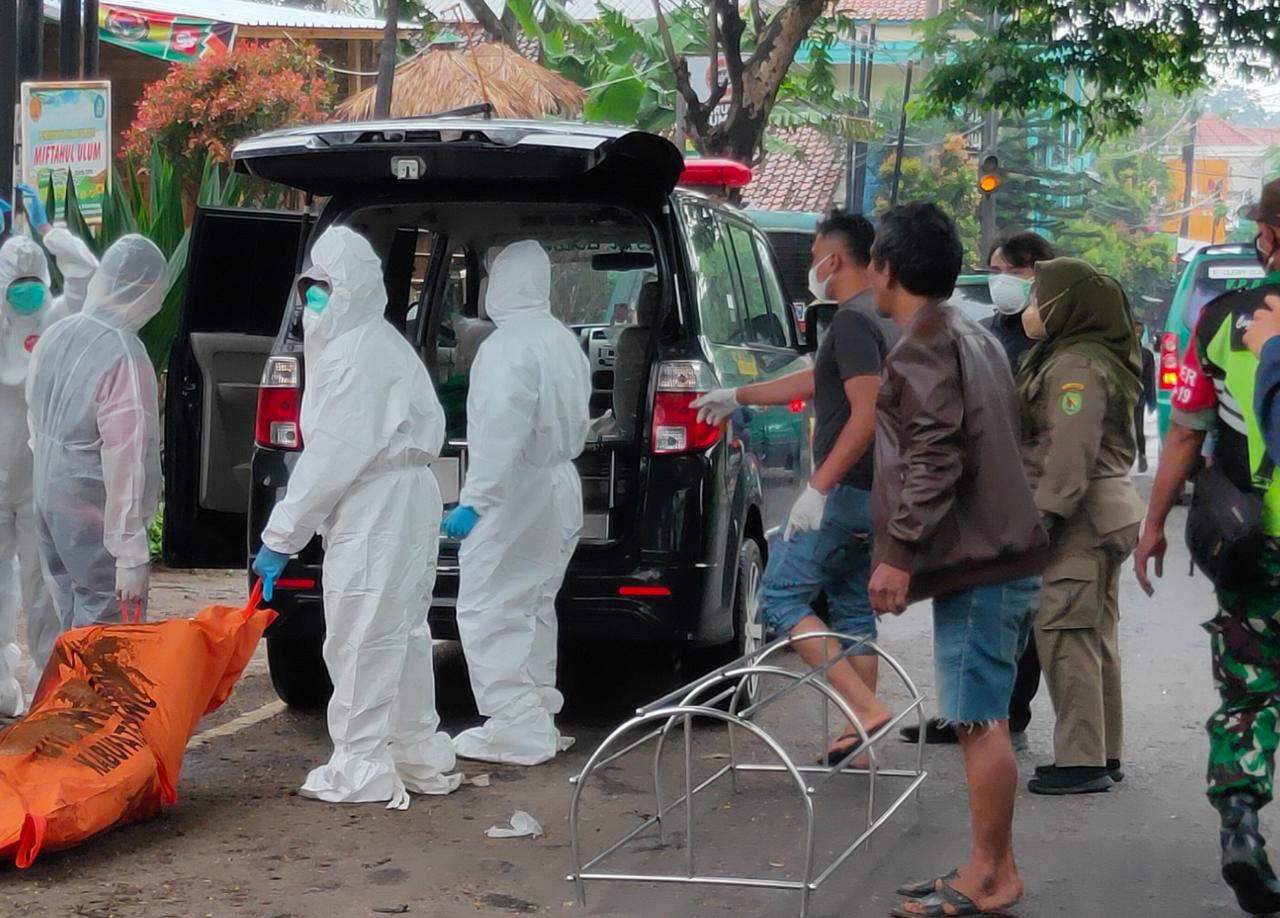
column 1072, row 402
column 1072, row 386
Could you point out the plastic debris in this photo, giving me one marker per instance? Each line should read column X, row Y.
column 522, row 826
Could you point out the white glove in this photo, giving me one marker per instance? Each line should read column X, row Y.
column 716, row 406
column 806, row 515
column 131, row 590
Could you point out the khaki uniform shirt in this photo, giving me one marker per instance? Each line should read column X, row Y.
column 1078, row 445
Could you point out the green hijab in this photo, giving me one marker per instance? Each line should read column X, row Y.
column 1086, row 313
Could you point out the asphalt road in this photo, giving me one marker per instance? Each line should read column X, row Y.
column 241, row 842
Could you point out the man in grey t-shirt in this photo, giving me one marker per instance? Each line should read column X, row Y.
column 825, row 546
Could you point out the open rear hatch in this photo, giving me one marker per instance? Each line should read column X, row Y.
column 333, row 158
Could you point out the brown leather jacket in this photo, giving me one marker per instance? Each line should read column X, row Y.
column 950, row 503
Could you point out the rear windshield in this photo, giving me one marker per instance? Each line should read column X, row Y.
column 792, row 252
column 1215, row 277
column 604, row 281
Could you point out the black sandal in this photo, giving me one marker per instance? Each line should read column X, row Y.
column 841, row 749
column 935, row 905
column 928, row 887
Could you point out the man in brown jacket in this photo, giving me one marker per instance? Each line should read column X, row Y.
column 954, row 521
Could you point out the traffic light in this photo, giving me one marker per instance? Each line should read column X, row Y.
column 989, row 174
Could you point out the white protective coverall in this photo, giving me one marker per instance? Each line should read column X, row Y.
column 77, row 263
column 371, row 426
column 20, row 257
column 94, row 419
column 527, row 419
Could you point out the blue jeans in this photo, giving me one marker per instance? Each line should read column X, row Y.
column 834, row 558
column 978, row 635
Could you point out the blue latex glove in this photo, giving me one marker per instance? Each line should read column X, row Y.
column 459, row 523
column 36, row 214
column 6, row 222
column 269, row 565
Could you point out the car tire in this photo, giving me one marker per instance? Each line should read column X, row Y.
column 298, row 673
column 747, row 629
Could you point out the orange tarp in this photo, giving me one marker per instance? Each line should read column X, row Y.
column 103, row 743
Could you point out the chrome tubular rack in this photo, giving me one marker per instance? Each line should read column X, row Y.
column 733, row 696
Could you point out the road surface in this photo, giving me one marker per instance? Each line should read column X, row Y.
column 241, row 842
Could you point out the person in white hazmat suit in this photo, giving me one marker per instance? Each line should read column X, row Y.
column 371, row 426
column 93, row 413
column 72, row 254
column 25, row 308
column 520, row 510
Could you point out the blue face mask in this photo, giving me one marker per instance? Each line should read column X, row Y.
column 26, row 297
column 317, row 298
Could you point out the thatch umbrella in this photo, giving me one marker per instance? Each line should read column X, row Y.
column 444, row 79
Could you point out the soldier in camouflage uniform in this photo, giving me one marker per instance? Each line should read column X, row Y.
column 1215, row 393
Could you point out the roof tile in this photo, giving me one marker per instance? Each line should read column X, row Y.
column 804, row 180
column 889, row 10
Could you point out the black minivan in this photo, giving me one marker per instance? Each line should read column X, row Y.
column 671, row 293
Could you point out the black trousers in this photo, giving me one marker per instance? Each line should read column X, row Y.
column 1025, row 688
column 1140, row 427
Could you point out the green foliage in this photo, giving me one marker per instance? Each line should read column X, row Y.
column 155, row 535
column 946, row 176
column 1091, row 63
column 158, row 213
column 1143, row 262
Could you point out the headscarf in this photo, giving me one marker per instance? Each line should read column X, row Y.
column 1086, row 313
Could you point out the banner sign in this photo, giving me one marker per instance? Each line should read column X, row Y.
column 163, row 35
column 66, row 128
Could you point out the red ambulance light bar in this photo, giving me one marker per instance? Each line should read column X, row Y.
column 715, row 173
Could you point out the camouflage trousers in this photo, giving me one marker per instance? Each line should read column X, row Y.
column 1243, row 732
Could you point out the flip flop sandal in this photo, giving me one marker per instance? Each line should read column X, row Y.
column 935, row 905
column 840, row 749
column 928, row 887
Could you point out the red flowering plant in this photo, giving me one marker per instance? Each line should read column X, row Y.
column 204, row 108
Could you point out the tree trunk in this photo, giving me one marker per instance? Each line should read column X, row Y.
column 741, row 136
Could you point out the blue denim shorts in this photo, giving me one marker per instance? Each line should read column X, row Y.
column 835, row 559
column 978, row 635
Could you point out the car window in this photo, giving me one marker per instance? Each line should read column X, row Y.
column 719, row 314
column 773, row 289
column 763, row 325
column 973, row 299
column 1215, row 277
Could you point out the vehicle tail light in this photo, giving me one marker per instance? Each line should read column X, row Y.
column 675, row 425
column 1169, row 360
column 280, row 404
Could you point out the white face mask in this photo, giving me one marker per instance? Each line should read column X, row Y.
column 1009, row 293
column 819, row 287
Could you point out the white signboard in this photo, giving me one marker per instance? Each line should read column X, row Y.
column 66, row 130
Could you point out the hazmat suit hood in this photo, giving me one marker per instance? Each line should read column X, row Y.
column 519, row 283
column 344, row 259
column 20, row 257
column 130, row 285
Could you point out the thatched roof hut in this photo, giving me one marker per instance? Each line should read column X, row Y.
column 444, row 79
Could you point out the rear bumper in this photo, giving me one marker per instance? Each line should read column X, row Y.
column 590, row 607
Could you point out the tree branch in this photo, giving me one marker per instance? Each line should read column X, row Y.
column 497, row 29
column 679, row 67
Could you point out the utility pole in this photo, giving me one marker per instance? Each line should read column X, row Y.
column 8, row 97
column 990, row 144
column 860, row 149
column 387, row 61
column 1189, row 172
column 90, row 39
column 69, row 40
column 902, row 137
column 855, row 70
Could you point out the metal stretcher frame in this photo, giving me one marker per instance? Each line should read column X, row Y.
column 732, row 683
